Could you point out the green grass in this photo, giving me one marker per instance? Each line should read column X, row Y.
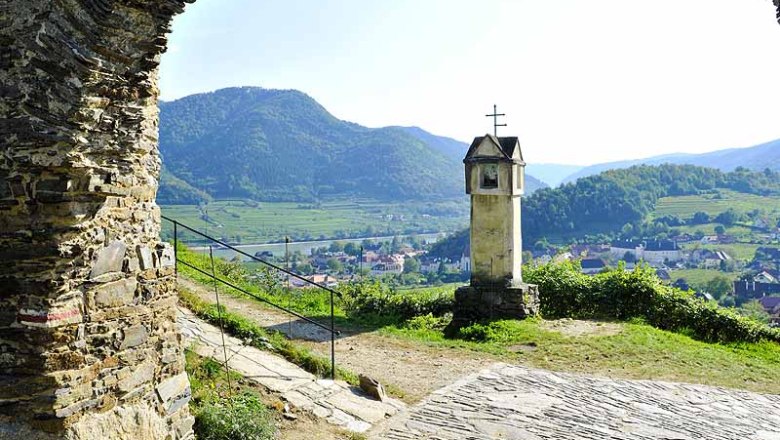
column 700, row 277
column 223, row 407
column 738, row 231
column 714, row 204
column 639, row 351
column 739, row 251
column 242, row 327
column 265, row 222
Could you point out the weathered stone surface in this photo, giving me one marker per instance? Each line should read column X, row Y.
column 109, row 259
column 116, row 294
column 166, row 255
column 134, row 336
column 334, row 401
column 514, row 402
column 173, row 387
column 78, row 174
column 144, row 257
column 476, row 303
column 372, row 387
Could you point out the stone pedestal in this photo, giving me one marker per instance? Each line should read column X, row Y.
column 478, row 303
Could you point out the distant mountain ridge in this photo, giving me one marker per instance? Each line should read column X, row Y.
column 281, row 145
column 757, row 158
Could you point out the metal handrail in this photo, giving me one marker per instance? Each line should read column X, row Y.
column 259, row 298
column 259, row 260
column 332, row 292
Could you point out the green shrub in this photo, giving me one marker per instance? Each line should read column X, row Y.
column 427, row 322
column 372, row 298
column 240, row 417
column 565, row 292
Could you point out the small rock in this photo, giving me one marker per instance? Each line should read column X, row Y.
column 372, row 387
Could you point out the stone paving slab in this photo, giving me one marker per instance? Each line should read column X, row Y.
column 334, row 401
column 512, row 402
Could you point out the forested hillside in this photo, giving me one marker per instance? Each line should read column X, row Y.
column 281, row 145
column 604, row 203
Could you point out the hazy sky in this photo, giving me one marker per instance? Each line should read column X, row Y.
column 581, row 81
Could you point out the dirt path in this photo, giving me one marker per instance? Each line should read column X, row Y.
column 411, row 370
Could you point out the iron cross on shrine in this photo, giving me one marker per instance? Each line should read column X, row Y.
column 495, row 116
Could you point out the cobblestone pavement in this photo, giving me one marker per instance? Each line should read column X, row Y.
column 334, row 401
column 512, row 402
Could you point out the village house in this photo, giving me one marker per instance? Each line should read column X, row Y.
column 713, row 259
column 388, row 264
column 591, row 266
column 322, row 279
column 618, row 249
column 465, row 259
column 754, row 289
column 660, row 251
column 771, row 305
column 653, row 252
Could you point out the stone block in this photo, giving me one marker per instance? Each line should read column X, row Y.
column 134, row 336
column 167, row 257
column 140, row 376
column 477, row 303
column 145, row 260
column 109, row 259
column 172, row 390
column 116, row 294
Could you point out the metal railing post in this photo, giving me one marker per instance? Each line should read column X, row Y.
column 332, row 341
column 176, row 249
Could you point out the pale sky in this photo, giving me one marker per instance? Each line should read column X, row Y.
column 581, row 81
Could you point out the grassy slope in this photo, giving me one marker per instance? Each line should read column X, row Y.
column 638, row 352
column 699, row 277
column 686, row 206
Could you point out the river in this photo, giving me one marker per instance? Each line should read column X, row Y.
column 304, row 246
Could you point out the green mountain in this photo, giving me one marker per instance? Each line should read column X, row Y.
column 755, row 158
column 279, row 145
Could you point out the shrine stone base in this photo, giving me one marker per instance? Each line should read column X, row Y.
column 494, row 302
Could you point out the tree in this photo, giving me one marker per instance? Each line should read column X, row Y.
column 719, row 287
column 728, row 217
column 395, row 245
column 720, row 230
column 305, row 268
column 335, row 265
column 336, row 246
column 351, row 249
column 629, row 257
column 442, row 268
column 700, row 218
column 411, row 265
column 754, row 309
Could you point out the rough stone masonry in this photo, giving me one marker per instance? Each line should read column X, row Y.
column 89, row 346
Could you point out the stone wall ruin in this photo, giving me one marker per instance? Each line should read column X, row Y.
column 88, row 342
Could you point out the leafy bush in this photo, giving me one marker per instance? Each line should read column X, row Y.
column 372, row 298
column 240, row 417
column 497, row 331
column 624, row 295
column 427, row 322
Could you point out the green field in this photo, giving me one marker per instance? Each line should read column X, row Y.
column 700, row 277
column 738, row 251
column 714, row 204
column 250, row 222
column 738, row 231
